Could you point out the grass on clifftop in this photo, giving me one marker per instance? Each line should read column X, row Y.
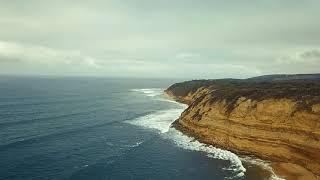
column 306, row 92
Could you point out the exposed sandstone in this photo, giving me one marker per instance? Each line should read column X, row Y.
column 276, row 128
column 292, row 172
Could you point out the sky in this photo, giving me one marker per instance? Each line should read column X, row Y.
column 159, row 38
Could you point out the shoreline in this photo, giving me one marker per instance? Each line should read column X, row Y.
column 281, row 170
column 269, row 172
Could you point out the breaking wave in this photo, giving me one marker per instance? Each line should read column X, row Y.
column 263, row 164
column 190, row 143
column 162, row 120
column 149, row 92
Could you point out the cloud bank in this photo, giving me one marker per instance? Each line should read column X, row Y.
column 184, row 39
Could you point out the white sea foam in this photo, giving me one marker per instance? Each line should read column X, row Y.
column 190, row 143
column 160, row 120
column 135, row 145
column 263, row 164
column 150, row 91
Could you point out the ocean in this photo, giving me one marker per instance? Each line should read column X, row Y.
column 102, row 128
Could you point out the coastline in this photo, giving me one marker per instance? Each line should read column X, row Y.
column 276, row 170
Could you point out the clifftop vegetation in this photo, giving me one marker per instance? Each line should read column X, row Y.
column 304, row 89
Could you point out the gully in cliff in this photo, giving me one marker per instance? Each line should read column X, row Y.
column 275, row 118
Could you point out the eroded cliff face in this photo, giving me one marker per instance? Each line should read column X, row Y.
column 272, row 128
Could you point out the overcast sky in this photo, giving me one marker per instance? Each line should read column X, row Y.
column 159, row 38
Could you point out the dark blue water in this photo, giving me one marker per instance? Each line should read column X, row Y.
column 96, row 128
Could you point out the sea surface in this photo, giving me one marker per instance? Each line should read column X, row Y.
column 100, row 128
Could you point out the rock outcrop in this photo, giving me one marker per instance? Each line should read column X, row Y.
column 275, row 121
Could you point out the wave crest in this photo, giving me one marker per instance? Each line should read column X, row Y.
column 190, row 143
column 150, row 91
column 162, row 120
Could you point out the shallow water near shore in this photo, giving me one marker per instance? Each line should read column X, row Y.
column 95, row 128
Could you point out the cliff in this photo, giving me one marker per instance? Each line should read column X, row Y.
column 274, row 120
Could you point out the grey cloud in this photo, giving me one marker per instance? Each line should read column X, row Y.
column 137, row 37
column 312, row 54
column 305, row 57
column 17, row 52
column 9, row 60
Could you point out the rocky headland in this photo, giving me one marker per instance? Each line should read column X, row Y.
column 275, row 117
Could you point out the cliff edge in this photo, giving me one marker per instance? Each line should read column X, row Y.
column 278, row 120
